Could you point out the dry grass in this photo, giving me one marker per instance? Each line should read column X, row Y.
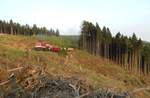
column 95, row 70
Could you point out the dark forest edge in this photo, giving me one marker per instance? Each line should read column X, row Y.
column 131, row 53
column 10, row 27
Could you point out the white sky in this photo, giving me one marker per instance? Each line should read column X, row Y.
column 126, row 16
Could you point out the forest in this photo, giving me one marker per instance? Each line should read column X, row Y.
column 131, row 53
column 18, row 29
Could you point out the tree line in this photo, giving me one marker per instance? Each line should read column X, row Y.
column 18, row 29
column 130, row 53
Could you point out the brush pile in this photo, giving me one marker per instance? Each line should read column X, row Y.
column 33, row 82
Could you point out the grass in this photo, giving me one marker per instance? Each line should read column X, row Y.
column 96, row 70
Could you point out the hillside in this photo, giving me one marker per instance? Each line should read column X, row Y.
column 18, row 50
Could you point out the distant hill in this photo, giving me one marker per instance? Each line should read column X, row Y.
column 73, row 37
column 146, row 42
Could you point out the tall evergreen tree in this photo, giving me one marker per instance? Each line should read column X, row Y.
column 129, row 52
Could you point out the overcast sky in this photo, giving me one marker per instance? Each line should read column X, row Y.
column 126, row 16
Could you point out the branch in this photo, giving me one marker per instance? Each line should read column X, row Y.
column 14, row 69
column 141, row 89
column 76, row 90
column 3, row 83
